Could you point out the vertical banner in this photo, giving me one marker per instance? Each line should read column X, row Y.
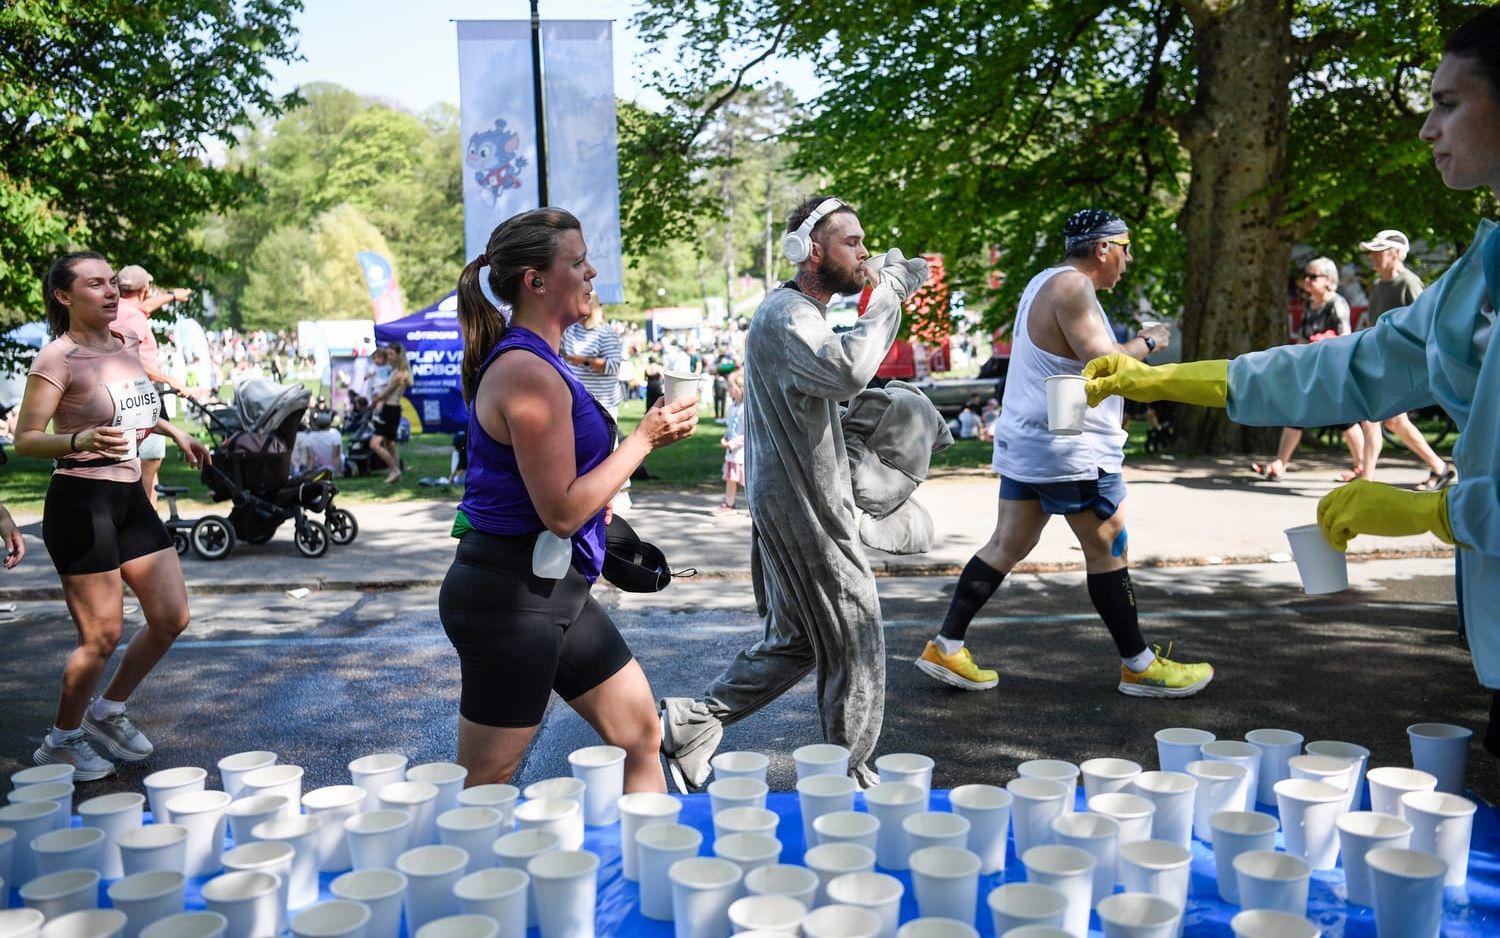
column 381, row 281
column 583, row 170
column 497, row 125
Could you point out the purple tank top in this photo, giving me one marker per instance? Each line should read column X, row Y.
column 495, row 498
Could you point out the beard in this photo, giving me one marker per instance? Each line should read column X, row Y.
column 844, row 281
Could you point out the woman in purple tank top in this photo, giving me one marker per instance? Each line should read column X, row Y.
column 542, row 468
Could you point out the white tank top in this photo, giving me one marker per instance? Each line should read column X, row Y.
column 1024, row 449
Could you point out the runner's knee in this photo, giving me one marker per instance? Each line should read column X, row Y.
column 170, row 624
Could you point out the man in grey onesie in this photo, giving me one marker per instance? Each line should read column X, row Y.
column 812, row 581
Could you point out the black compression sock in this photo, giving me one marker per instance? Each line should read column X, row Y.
column 975, row 586
column 1115, row 601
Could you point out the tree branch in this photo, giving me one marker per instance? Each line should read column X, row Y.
column 739, row 81
column 1309, row 47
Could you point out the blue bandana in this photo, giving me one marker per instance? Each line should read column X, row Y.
column 1092, row 224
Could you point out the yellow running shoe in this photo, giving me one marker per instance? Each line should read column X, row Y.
column 957, row 669
column 1165, row 678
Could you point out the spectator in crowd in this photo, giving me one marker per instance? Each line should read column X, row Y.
column 592, row 350
column 988, row 419
column 320, row 446
column 654, row 389
column 733, row 441
column 137, row 302
column 721, row 393
column 387, row 405
column 966, row 425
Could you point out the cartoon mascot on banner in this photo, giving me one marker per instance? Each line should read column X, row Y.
column 492, row 154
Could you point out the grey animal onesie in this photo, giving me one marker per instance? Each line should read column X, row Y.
column 812, row 581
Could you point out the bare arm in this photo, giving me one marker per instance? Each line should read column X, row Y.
column 32, row 439
column 1084, row 329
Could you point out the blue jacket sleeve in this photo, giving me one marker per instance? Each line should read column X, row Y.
column 1369, row 375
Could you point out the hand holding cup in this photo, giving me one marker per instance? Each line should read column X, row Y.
column 668, row 421
column 106, row 441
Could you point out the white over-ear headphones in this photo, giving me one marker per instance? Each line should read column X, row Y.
column 797, row 245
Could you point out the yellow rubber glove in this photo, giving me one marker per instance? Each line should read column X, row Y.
column 1204, row 383
column 1365, row 507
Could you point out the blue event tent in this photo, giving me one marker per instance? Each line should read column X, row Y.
column 434, row 346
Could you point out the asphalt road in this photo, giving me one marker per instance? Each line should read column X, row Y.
column 335, row 675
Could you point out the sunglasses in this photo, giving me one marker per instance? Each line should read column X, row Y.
column 1124, row 244
column 1314, row 276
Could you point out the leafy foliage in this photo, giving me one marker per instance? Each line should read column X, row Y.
column 310, row 271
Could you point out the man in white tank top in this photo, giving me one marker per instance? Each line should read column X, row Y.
column 1060, row 326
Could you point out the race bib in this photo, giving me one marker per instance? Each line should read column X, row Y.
column 137, row 403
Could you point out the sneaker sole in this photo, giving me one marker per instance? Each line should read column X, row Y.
column 1146, row 690
column 97, row 738
column 673, row 769
column 939, row 673
column 40, row 757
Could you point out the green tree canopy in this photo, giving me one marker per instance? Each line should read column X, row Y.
column 310, row 271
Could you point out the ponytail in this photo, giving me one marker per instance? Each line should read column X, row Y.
column 481, row 324
column 60, row 276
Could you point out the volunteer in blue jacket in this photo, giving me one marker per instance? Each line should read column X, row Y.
column 1437, row 350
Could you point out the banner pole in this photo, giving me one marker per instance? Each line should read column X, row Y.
column 540, row 103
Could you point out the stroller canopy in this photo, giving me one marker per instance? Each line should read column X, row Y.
column 263, row 405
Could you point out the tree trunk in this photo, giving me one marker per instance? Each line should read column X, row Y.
column 1237, row 254
column 768, row 278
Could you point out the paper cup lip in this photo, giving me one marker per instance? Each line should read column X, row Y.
column 269, row 775
column 437, row 773
column 453, row 925
column 980, row 797
column 1305, row 530
column 771, row 911
column 36, row 774
column 1051, row 378
column 1185, row 735
column 737, row 787
column 1320, row 765
column 175, row 778
column 1033, row 900
column 1232, row 749
column 892, row 794
column 904, row 762
column 780, row 879
column 649, row 804
column 252, row 805
column 432, row 860
column 935, row 823
column 54, row 885
column 369, row 885
column 746, row 847
column 839, row 856
column 407, row 792
column 1410, row 864
column 183, row 923
column 1398, row 776
column 329, row 917
column 1211, row 769
column 682, row 375
column 1058, row 860
column 493, row 794
column 945, row 862
column 1307, row 790
column 1037, row 789
column 496, row 882
column 1273, row 737
column 377, row 763
column 251, row 759
column 1085, row 825
column 1165, row 783
column 199, row 802
column 1271, row 865
column 7, row 834
column 1371, row 824
column 1156, row 854
column 28, row 810
column 1440, row 803
column 40, row 791
column 258, row 853
column 747, row 815
column 527, row 843
column 562, row 864
column 826, row 786
column 864, row 888
column 596, row 757
column 562, row 786
column 282, row 828
column 1049, row 768
column 150, row 884
column 1337, row 749
column 1438, row 731
column 1138, row 909
column 1243, row 822
column 472, row 818
column 934, row 926
column 69, row 838
column 545, row 809
column 377, row 822
column 332, row 796
column 823, row 917
column 668, row 837
column 848, row 823
column 1110, row 767
column 704, row 872
column 1121, row 804
column 820, row 753
column 152, row 836
column 1274, row 922
column 740, row 761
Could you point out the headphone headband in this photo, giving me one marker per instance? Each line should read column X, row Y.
column 797, row 245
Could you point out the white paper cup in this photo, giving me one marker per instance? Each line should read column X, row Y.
column 61, row 793
column 1058, row 771
column 1099, row 837
column 266, row 857
column 566, row 884
column 502, row 798
column 516, row 850
column 334, row 805
column 563, row 786
column 377, row 838
column 1442, row 825
column 829, row 861
column 748, row 851
column 29, row 820
column 879, row 892
column 74, row 848
column 637, row 810
column 188, row 925
column 1238, row 752
column 94, row 923
column 1442, row 751
column 1308, row 812
column 300, row 831
column 936, row 928
column 906, row 768
column 777, row 915
column 1071, row 872
column 154, row 847
column 1067, row 404
column 41, row 774
column 736, row 793
column 382, row 892
column 60, row 893
column 1269, row 880
column 818, row 795
column 1036, row 802
column 1325, row 769
column 1158, row 868
column 431, row 873
column 1132, row 812
column 374, row 772
column 473, row 829
column 115, row 815
column 891, row 803
column 602, row 770
column 680, row 386
column 148, row 897
column 1178, row 745
column 20, row 923
column 161, row 786
column 781, row 879
column 250, row 900
column 1138, row 915
column 1322, row 569
column 740, row 765
column 840, row 921
column 460, row 926
column 1234, row 833
column 987, row 809
column 1357, row 755
column 1222, row 786
column 1101, row 776
column 203, row 815
column 499, row 893
column 1173, row 794
column 283, row 780
column 1359, row 833
column 447, row 777
column 658, row 846
column 245, row 813
column 336, row 918
column 562, row 816
column 232, row 769
column 820, row 759
column 419, row 799
column 1266, row 923
column 745, row 821
column 1018, row 905
column 1389, row 783
column 1407, row 886
column 935, row 829
column 7, row 849
column 1276, row 749
column 702, row 890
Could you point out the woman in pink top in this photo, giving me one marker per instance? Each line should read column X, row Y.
column 99, row 527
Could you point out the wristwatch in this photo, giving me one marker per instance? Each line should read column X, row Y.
column 1150, row 342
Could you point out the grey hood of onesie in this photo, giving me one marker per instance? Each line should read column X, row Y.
column 892, row 434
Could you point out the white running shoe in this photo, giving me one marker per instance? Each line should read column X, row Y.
column 117, row 736
column 88, row 765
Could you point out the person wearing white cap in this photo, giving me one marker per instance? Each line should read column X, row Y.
column 1396, row 287
column 137, row 302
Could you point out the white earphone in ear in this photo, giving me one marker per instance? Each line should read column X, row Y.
column 797, row 245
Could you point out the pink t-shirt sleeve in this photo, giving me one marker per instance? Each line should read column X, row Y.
column 51, row 365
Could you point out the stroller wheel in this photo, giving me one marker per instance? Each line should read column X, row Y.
column 311, row 538
column 179, row 542
column 212, row 537
column 342, row 527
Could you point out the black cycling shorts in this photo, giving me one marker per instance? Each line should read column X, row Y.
column 388, row 421
column 94, row 525
column 518, row 636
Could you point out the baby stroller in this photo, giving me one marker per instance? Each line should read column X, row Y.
column 252, row 467
column 360, row 459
